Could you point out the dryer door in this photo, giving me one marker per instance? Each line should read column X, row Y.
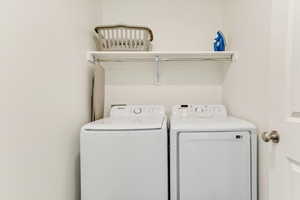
column 214, row 166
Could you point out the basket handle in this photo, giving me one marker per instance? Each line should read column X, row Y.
column 126, row 26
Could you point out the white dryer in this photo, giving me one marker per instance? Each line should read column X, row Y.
column 213, row 156
column 125, row 156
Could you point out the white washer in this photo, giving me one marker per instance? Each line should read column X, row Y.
column 213, row 156
column 125, row 156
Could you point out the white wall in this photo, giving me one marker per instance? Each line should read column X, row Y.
column 245, row 92
column 45, row 80
column 178, row 26
column 44, row 84
column 190, row 25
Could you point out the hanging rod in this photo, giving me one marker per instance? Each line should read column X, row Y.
column 97, row 60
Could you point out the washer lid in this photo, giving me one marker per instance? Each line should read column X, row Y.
column 126, row 123
column 210, row 124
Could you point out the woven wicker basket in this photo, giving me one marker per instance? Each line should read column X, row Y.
column 124, row 38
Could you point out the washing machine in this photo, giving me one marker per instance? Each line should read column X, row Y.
column 213, row 155
column 125, row 156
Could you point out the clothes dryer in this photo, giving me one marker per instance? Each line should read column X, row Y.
column 213, row 156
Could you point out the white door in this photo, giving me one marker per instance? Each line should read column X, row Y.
column 284, row 79
column 214, row 166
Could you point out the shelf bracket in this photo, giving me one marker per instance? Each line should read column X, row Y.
column 234, row 57
column 91, row 58
column 157, row 71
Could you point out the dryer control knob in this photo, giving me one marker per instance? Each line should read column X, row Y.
column 198, row 109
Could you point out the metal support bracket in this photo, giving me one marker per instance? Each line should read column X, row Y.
column 91, row 58
column 157, row 71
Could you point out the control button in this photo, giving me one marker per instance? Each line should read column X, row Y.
column 198, row 109
column 137, row 110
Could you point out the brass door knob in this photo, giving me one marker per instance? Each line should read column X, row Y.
column 272, row 136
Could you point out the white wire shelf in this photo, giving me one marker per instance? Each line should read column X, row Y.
column 161, row 56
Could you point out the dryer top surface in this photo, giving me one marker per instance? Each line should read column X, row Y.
column 198, row 123
column 192, row 117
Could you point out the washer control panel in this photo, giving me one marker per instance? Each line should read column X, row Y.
column 208, row 111
column 136, row 110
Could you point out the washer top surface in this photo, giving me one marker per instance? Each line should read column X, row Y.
column 130, row 117
column 126, row 123
column 206, row 118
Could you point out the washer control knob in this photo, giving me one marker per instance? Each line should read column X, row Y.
column 137, row 111
column 198, row 109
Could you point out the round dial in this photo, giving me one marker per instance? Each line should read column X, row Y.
column 137, row 110
column 198, row 109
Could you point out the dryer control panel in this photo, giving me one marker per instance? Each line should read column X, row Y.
column 136, row 110
column 205, row 111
